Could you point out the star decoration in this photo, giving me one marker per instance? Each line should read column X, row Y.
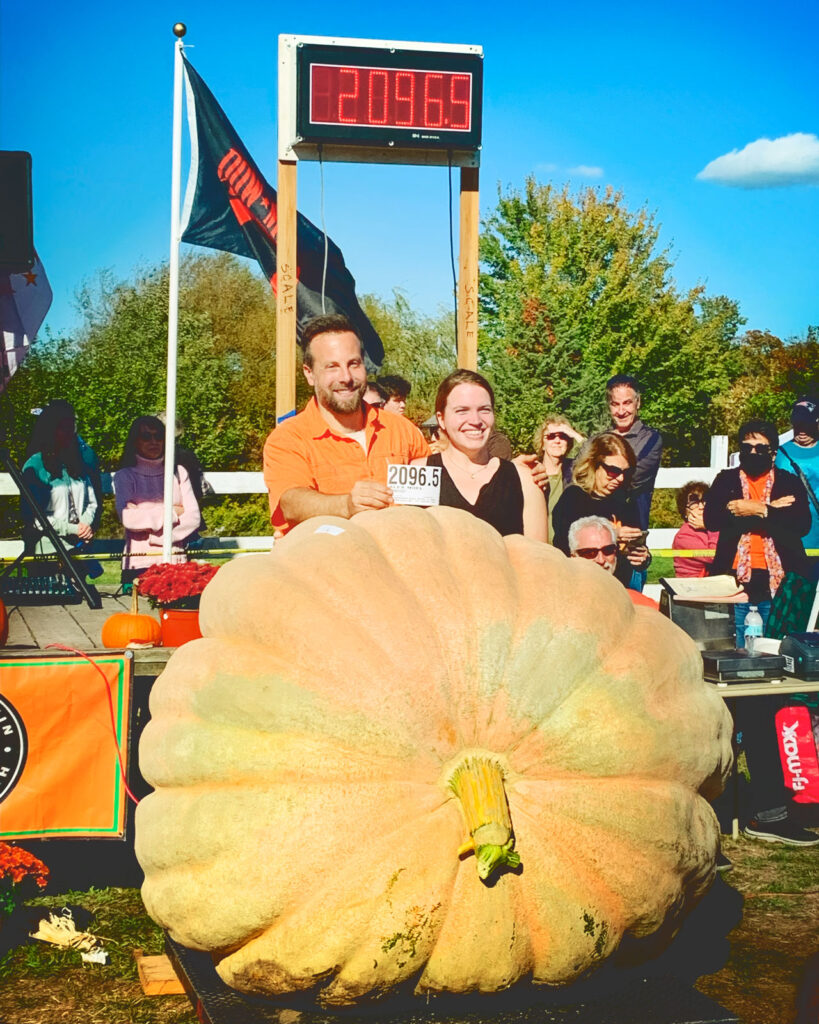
column 31, row 278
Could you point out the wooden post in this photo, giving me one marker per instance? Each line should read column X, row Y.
column 286, row 293
column 468, row 271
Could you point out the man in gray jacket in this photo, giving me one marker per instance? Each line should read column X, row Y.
column 623, row 394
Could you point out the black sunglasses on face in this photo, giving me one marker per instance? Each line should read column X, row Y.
column 613, row 471
column 556, row 435
column 151, row 436
column 694, row 501
column 755, row 449
column 608, row 550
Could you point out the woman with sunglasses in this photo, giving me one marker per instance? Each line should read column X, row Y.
column 761, row 514
column 139, row 485
column 601, row 475
column 692, row 535
column 553, row 441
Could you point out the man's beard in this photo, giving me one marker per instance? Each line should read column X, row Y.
column 330, row 400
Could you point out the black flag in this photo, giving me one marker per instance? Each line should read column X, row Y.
column 230, row 206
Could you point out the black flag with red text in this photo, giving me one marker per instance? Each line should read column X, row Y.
column 229, row 206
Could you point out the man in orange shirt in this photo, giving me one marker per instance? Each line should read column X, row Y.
column 332, row 458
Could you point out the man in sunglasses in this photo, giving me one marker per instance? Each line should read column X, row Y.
column 624, row 399
column 595, row 539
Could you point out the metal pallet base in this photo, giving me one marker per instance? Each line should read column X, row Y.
column 645, row 1000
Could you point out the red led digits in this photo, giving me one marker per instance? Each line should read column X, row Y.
column 459, row 97
column 390, row 97
column 379, row 84
column 404, row 99
column 347, row 101
column 433, row 102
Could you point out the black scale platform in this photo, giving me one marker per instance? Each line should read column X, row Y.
column 646, row 1000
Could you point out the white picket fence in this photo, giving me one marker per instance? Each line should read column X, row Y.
column 253, row 483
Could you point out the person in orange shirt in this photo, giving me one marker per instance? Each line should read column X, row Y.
column 332, row 458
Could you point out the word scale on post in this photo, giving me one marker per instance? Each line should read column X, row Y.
column 377, row 101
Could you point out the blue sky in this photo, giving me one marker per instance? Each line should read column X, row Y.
column 629, row 94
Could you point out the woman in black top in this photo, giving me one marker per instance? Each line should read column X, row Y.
column 499, row 492
column 601, row 474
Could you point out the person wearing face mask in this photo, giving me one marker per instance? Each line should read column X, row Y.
column 801, row 456
column 761, row 514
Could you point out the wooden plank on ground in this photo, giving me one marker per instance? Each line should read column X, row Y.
column 53, row 624
column 19, row 633
column 157, row 976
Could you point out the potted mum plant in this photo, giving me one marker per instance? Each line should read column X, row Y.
column 21, row 876
column 175, row 589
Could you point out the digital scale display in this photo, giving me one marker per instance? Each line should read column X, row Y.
column 388, row 97
column 377, row 97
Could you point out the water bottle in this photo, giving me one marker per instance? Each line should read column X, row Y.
column 753, row 628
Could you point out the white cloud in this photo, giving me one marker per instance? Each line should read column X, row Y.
column 768, row 163
column 586, row 171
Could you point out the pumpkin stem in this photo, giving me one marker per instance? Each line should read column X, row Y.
column 134, row 599
column 478, row 784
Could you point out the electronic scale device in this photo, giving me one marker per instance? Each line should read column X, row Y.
column 738, row 666
column 801, row 654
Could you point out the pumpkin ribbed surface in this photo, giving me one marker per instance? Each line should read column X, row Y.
column 408, row 748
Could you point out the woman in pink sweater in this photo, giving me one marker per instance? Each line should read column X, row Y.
column 139, row 485
column 692, row 535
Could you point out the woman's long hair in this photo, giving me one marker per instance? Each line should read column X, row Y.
column 44, row 442
column 594, row 451
column 129, row 452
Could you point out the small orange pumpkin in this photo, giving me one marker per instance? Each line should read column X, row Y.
column 4, row 625
column 124, row 628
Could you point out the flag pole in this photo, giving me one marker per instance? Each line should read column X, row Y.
column 179, row 31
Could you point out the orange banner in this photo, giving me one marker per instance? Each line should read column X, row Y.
column 59, row 771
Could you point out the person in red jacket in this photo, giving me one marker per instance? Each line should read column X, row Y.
column 692, row 535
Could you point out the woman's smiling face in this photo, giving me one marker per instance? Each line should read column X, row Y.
column 468, row 417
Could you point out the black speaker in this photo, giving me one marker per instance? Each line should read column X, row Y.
column 16, row 227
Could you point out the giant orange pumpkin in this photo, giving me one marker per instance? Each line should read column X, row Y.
column 409, row 749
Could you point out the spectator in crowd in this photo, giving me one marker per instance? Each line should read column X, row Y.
column 375, row 395
column 692, row 535
column 58, row 471
column 624, row 398
column 801, row 456
column 500, row 492
column 139, row 485
column 761, row 515
column 553, row 440
column 185, row 457
column 397, row 391
column 332, row 458
column 600, row 476
column 595, row 539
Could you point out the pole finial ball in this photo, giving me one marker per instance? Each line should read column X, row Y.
column 179, row 29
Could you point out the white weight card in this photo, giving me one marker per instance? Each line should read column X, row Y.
column 415, row 485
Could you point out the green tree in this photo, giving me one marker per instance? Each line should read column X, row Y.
column 419, row 348
column 770, row 374
column 573, row 290
column 114, row 368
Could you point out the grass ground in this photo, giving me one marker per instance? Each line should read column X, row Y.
column 759, row 980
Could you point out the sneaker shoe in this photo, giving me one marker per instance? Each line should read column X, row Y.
column 785, row 831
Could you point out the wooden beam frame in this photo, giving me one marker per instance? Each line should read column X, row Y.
column 468, row 270
column 286, row 279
